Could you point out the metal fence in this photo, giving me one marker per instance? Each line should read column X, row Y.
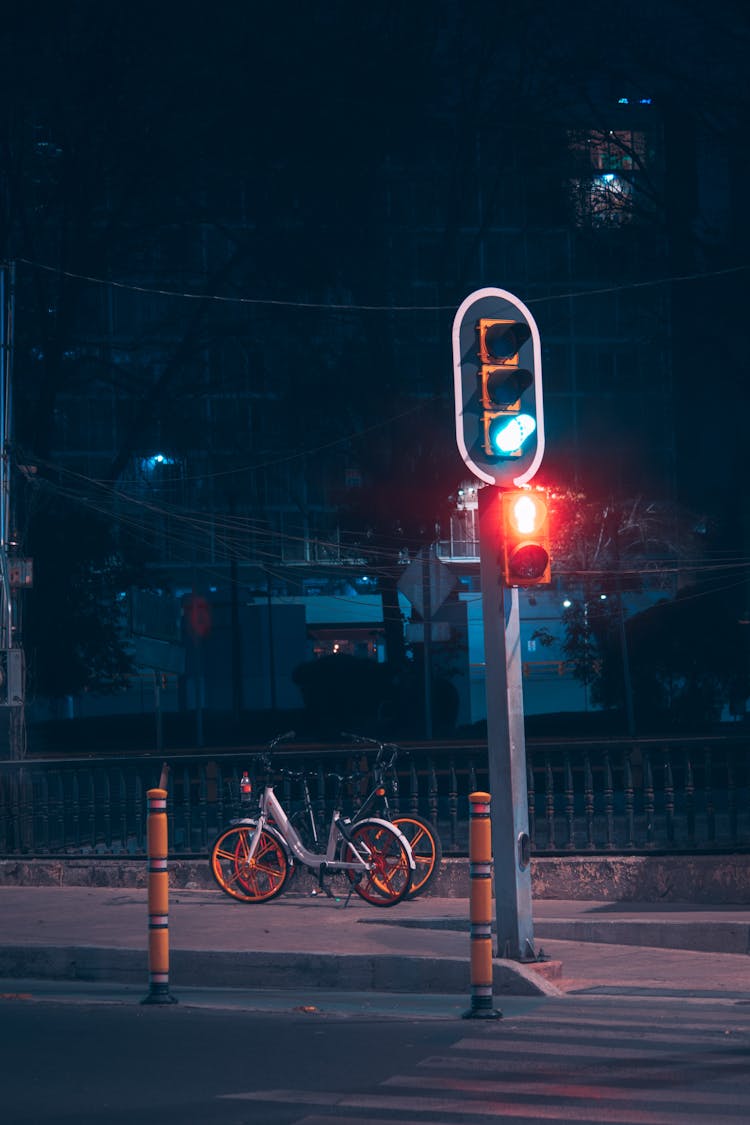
column 608, row 796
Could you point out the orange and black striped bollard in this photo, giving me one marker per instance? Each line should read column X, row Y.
column 158, row 900
column 480, row 906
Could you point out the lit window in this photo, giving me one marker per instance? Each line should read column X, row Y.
column 611, row 161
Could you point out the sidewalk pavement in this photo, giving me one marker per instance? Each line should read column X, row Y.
column 301, row 946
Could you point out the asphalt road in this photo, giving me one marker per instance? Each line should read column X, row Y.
column 601, row 1059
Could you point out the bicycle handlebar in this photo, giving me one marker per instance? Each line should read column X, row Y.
column 382, row 748
column 287, row 736
column 264, row 759
column 381, row 761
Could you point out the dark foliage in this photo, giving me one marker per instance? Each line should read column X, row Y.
column 343, row 693
column 689, row 658
column 74, row 613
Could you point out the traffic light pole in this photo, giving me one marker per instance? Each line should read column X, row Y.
column 505, row 741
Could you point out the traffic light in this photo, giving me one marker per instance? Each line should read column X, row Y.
column 526, row 538
column 503, row 382
column 498, row 387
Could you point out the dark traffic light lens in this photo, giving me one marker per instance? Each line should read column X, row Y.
column 504, row 340
column 529, row 560
column 504, row 387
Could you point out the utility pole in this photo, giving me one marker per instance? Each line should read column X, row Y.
column 427, row 557
column 6, row 336
column 12, row 686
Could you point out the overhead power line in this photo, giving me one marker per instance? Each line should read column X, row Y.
column 270, row 302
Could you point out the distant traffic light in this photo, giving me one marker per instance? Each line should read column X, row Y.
column 498, row 387
column 526, row 539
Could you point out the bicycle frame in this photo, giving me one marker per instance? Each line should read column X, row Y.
column 272, row 810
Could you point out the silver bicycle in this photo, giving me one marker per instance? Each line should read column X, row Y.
column 253, row 858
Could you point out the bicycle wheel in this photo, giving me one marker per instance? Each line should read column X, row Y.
column 426, row 848
column 389, row 876
column 249, row 880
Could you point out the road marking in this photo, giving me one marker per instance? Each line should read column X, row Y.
column 585, row 1062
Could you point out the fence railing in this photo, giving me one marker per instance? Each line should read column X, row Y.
column 607, row 796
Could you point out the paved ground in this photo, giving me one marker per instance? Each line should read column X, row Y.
column 93, row 942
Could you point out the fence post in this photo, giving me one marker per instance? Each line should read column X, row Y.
column 480, row 907
column 158, row 900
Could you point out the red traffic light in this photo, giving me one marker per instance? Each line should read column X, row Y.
column 526, row 539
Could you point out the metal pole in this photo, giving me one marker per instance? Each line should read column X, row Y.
column 271, row 649
column 235, row 628
column 506, row 743
column 4, row 372
column 8, row 597
column 427, row 639
column 6, row 614
column 157, row 709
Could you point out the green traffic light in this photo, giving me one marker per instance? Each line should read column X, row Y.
column 507, row 435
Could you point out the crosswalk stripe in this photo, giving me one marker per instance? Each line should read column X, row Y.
column 575, row 1017
column 584, row 1049
column 529, row 1107
column 574, row 1037
column 567, row 1090
column 308, row 1097
column 642, row 1071
column 317, row 1119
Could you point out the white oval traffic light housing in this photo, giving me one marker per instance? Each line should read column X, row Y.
column 497, row 375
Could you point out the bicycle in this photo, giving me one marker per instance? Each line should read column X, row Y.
column 423, row 836
column 252, row 859
column 421, row 833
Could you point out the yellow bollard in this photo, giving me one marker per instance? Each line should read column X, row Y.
column 480, row 907
column 158, row 900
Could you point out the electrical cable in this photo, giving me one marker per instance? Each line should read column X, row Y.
column 333, row 307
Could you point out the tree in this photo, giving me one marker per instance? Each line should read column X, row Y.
column 689, row 660
column 607, row 551
column 73, row 622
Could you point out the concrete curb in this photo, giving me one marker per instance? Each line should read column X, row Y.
column 282, row 970
column 699, row 937
column 714, row 936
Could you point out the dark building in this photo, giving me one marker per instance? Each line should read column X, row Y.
column 233, row 326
